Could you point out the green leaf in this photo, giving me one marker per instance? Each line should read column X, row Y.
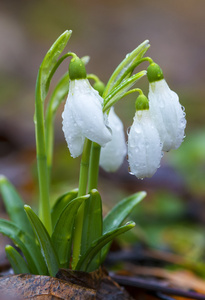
column 63, row 231
column 14, row 205
column 118, row 214
column 118, row 92
column 16, row 260
column 92, row 226
column 48, row 64
column 125, row 68
column 27, row 245
column 45, row 242
column 98, row 244
column 58, row 94
column 61, row 203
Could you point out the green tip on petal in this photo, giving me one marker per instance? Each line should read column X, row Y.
column 154, row 73
column 142, row 103
column 99, row 86
column 77, row 69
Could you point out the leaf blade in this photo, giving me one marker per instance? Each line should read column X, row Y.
column 63, row 231
column 14, row 205
column 16, row 260
column 27, row 245
column 60, row 204
column 50, row 60
column 128, row 63
column 118, row 214
column 98, row 244
column 118, row 92
column 44, row 240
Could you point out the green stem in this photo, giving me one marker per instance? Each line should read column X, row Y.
column 84, row 166
column 94, row 166
column 44, row 205
column 49, row 141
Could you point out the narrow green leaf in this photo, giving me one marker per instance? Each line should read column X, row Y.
column 59, row 93
column 27, row 245
column 63, row 231
column 50, row 60
column 92, row 226
column 118, row 214
column 61, row 203
column 121, row 210
column 126, row 67
column 98, row 244
column 14, row 205
column 45, row 242
column 118, row 92
column 16, row 260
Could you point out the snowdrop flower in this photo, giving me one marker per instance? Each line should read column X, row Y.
column 113, row 153
column 165, row 109
column 82, row 115
column 144, row 145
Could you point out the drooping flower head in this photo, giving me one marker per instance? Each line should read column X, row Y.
column 113, row 153
column 83, row 116
column 165, row 109
column 144, row 145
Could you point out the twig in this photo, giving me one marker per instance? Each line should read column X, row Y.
column 144, row 284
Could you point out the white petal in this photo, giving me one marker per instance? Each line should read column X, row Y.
column 113, row 153
column 72, row 132
column 144, row 146
column 168, row 114
column 87, row 111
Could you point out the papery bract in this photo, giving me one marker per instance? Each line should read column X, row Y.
column 113, row 153
column 144, row 146
column 83, row 117
column 167, row 113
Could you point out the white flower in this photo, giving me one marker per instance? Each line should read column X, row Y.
column 144, row 145
column 167, row 113
column 83, row 117
column 113, row 153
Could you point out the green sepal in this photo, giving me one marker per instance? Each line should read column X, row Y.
column 121, row 89
column 48, row 64
column 126, row 67
column 92, row 226
column 45, row 242
column 98, row 244
column 118, row 214
column 17, row 262
column 27, row 245
column 77, row 69
column 63, row 231
column 14, row 205
column 154, row 73
column 61, row 203
column 142, row 103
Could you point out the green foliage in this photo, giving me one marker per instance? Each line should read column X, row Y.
column 46, row 241
column 63, row 231
column 98, row 244
column 16, row 260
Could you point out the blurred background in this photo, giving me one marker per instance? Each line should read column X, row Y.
column 173, row 214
